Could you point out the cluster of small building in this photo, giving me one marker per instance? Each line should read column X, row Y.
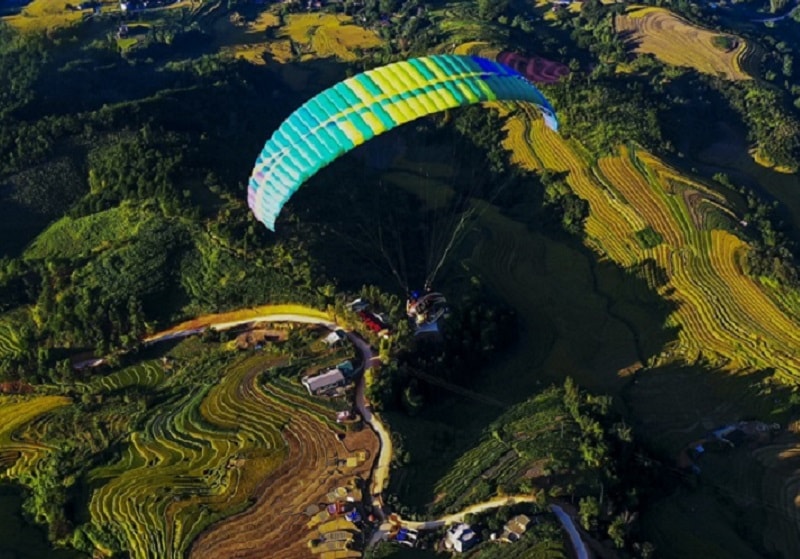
column 462, row 537
column 377, row 323
column 458, row 538
column 336, row 527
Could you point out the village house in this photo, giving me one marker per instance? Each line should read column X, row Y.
column 460, row 538
column 323, row 383
column 515, row 528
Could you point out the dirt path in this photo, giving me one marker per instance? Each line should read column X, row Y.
column 580, row 548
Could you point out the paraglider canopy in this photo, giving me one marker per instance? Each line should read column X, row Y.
column 371, row 103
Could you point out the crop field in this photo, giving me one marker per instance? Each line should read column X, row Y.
column 722, row 316
column 656, row 31
column 147, row 374
column 313, row 464
column 478, row 48
column 247, row 39
column 10, row 343
column 19, row 454
column 535, row 68
column 207, row 457
column 519, row 445
column 46, row 14
column 324, row 35
column 719, row 335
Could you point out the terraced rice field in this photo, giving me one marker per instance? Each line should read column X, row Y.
column 18, row 454
column 10, row 343
column 724, row 337
column 313, row 464
column 211, row 453
column 478, row 48
column 535, row 68
column 507, row 453
column 146, row 374
column 722, row 315
column 675, row 41
column 324, row 35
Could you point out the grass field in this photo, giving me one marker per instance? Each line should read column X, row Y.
column 675, row 41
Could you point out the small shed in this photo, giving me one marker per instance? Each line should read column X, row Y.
column 335, row 338
column 347, row 369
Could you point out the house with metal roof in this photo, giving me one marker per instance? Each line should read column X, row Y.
column 323, row 383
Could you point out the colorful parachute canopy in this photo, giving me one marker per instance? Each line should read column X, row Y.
column 358, row 108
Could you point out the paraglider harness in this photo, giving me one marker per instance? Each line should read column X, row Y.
column 425, row 308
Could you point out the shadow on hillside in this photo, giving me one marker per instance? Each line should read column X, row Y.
column 630, row 39
column 580, row 314
column 675, row 408
column 19, row 225
column 675, row 404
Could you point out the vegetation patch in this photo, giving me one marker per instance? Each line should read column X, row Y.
column 648, row 238
column 83, row 236
column 724, row 42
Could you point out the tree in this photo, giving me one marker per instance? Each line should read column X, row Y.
column 489, row 10
column 589, row 510
column 592, row 10
column 389, row 6
column 617, row 531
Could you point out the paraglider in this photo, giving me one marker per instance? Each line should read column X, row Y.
column 427, row 308
column 363, row 106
